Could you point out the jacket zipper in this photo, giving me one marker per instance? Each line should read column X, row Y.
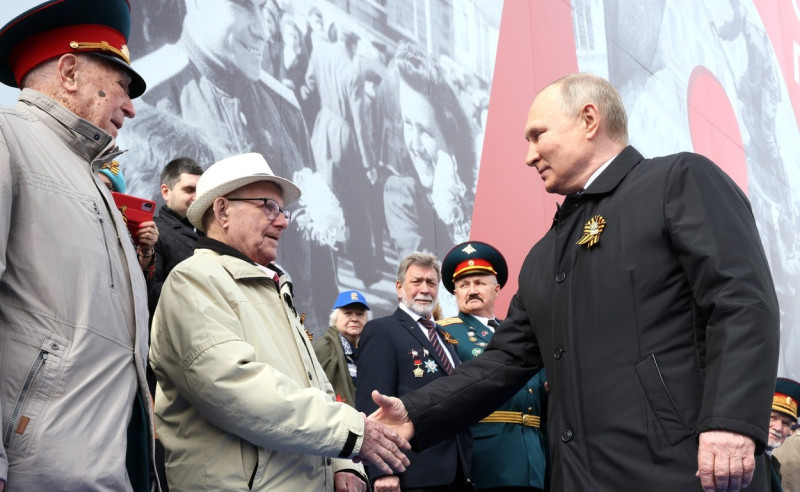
column 37, row 364
column 105, row 244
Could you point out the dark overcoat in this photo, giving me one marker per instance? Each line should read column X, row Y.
column 665, row 328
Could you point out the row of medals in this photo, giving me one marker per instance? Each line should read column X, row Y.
column 430, row 364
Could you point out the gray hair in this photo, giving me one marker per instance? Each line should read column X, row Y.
column 335, row 314
column 425, row 260
column 579, row 89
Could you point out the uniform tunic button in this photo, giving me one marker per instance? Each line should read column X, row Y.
column 560, row 277
column 55, row 346
column 530, row 409
column 557, row 353
column 530, row 391
column 566, row 435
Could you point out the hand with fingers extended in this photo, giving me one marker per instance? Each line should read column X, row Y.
column 725, row 461
column 383, row 447
column 392, row 412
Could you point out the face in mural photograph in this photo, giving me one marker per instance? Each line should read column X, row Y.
column 421, row 132
column 232, row 33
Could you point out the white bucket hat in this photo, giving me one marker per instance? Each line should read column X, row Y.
column 231, row 174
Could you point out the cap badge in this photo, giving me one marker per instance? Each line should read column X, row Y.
column 592, row 231
column 353, row 296
column 469, row 249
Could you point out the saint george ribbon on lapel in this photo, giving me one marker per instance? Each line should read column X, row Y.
column 431, row 326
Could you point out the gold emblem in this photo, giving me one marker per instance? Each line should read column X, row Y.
column 125, row 52
column 112, row 166
column 592, row 230
column 449, row 338
column 469, row 249
column 418, row 372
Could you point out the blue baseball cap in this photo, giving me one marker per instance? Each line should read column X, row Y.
column 349, row 297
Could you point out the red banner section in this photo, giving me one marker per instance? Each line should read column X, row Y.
column 512, row 209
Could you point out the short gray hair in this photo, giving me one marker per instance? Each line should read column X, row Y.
column 579, row 89
column 425, row 260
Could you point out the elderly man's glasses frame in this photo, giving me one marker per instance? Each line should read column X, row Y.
column 270, row 206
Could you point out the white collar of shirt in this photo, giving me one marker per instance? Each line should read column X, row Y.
column 485, row 321
column 414, row 315
column 598, row 172
column 416, row 318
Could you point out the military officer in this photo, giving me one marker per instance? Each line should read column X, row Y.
column 782, row 465
column 510, row 444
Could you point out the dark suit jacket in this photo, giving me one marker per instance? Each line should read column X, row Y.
column 176, row 241
column 667, row 327
column 390, row 349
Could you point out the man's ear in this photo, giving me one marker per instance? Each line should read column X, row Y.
column 165, row 192
column 67, row 69
column 220, row 207
column 591, row 120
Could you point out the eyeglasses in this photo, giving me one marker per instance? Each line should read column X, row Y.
column 271, row 207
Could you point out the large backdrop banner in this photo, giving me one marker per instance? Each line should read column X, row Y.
column 402, row 121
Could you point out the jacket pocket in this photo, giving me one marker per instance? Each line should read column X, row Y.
column 38, row 370
column 661, row 401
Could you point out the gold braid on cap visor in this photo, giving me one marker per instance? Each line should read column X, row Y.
column 104, row 46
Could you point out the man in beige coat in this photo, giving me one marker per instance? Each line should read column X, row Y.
column 242, row 402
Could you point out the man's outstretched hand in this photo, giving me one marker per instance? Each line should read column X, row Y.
column 392, row 412
column 386, row 434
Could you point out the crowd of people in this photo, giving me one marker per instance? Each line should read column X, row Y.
column 639, row 352
column 357, row 118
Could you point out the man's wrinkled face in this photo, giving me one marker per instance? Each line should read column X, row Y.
column 421, row 133
column 476, row 294
column 249, row 230
column 780, row 426
column 419, row 289
column 232, row 33
column 556, row 144
column 102, row 94
column 182, row 194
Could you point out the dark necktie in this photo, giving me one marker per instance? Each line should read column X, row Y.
column 431, row 326
column 493, row 323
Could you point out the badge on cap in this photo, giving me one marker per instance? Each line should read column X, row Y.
column 592, row 231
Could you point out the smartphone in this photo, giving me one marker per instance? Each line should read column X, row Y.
column 134, row 210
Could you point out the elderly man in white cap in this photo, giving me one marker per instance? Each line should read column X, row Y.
column 243, row 403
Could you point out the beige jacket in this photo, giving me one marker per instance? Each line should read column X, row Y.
column 241, row 397
column 73, row 308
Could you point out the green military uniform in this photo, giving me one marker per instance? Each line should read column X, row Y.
column 504, row 454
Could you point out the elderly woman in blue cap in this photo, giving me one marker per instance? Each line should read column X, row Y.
column 111, row 176
column 337, row 350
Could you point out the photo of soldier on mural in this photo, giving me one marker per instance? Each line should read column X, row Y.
column 317, row 87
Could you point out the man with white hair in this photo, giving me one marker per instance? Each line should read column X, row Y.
column 242, row 402
column 405, row 351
